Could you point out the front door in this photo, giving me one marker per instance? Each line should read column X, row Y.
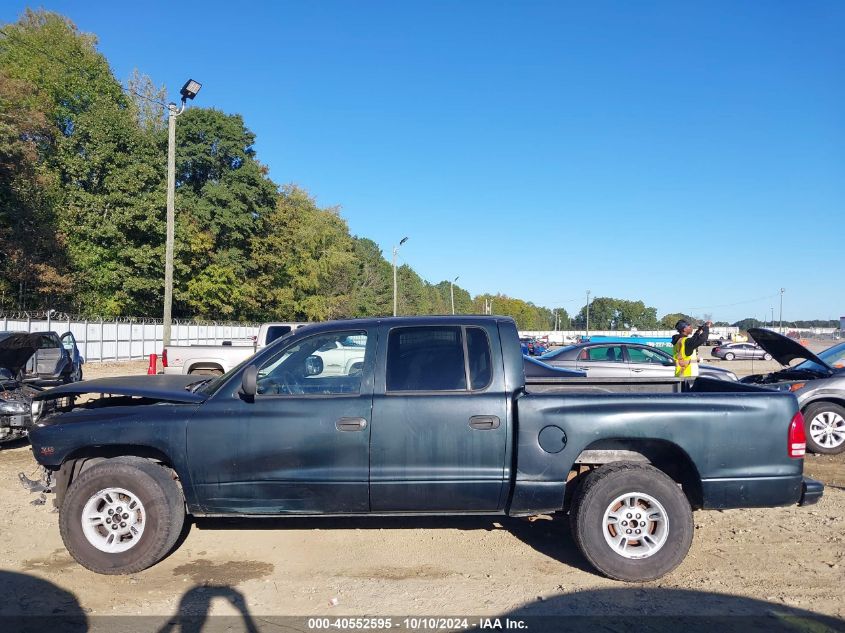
column 645, row 362
column 440, row 421
column 301, row 445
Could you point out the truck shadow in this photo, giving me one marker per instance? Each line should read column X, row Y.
column 549, row 536
column 638, row 608
column 32, row 604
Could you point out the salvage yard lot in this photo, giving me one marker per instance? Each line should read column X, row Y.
column 784, row 557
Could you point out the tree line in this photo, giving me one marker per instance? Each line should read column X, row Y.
column 82, row 210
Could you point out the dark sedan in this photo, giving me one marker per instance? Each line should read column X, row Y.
column 538, row 369
column 620, row 360
column 56, row 359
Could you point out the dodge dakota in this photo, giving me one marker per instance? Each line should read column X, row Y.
column 437, row 417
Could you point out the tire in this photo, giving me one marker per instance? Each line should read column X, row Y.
column 159, row 515
column 729, row 356
column 605, row 491
column 767, row 356
column 824, row 426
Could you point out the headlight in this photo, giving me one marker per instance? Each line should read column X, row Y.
column 36, row 409
column 13, row 408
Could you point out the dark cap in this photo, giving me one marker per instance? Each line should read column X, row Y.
column 682, row 325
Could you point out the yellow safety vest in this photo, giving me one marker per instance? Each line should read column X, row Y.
column 685, row 365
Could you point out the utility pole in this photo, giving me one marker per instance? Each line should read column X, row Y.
column 588, row 314
column 780, row 327
column 773, row 316
column 452, row 291
column 189, row 91
column 396, row 250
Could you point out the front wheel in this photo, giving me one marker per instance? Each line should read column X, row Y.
column 631, row 522
column 121, row 516
column 824, row 425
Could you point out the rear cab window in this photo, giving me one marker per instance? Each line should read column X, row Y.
column 438, row 358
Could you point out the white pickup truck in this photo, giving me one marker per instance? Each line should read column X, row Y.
column 216, row 360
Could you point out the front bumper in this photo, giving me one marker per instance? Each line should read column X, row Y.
column 811, row 492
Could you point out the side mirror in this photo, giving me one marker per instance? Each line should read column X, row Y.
column 313, row 366
column 249, row 384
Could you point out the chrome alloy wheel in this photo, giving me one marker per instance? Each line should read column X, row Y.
column 635, row 525
column 113, row 520
column 828, row 429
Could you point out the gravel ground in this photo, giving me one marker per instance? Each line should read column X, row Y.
column 742, row 561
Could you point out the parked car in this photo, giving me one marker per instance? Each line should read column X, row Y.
column 741, row 351
column 56, row 358
column 620, row 360
column 440, row 420
column 15, row 397
column 216, row 360
column 527, row 345
column 818, row 381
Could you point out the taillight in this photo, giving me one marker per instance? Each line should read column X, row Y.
column 797, row 442
column 164, row 358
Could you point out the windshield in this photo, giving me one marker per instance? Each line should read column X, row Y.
column 210, row 386
column 833, row 356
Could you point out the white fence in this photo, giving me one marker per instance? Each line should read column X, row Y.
column 123, row 339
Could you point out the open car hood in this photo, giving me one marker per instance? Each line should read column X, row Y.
column 783, row 349
column 16, row 348
column 172, row 388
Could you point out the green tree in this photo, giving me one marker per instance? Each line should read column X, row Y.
column 224, row 201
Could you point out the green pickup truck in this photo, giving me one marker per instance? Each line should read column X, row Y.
column 437, row 419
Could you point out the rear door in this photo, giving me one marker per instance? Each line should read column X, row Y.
column 603, row 361
column 440, row 420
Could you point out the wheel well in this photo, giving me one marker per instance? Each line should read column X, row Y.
column 665, row 456
column 84, row 458
column 836, row 401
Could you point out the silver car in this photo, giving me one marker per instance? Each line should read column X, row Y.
column 818, row 381
column 741, row 351
column 620, row 360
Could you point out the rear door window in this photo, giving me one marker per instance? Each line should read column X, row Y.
column 426, row 359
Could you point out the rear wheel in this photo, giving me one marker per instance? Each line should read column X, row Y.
column 631, row 522
column 121, row 515
column 824, row 425
column 729, row 356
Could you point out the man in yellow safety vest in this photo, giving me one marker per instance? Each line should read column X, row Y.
column 685, row 346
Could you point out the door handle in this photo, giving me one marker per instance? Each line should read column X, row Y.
column 351, row 424
column 637, row 370
column 484, row 422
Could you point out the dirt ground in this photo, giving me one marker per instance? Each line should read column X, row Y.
column 741, row 561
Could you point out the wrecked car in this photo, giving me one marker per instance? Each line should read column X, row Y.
column 818, row 381
column 15, row 397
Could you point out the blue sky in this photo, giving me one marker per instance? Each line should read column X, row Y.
column 689, row 155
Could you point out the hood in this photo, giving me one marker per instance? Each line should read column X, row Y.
column 16, row 348
column 783, row 349
column 170, row 388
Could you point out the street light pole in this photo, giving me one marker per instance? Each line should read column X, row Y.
column 773, row 316
column 452, row 291
column 780, row 327
column 189, row 91
column 588, row 314
column 396, row 250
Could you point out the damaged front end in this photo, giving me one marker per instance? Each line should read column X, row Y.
column 15, row 409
